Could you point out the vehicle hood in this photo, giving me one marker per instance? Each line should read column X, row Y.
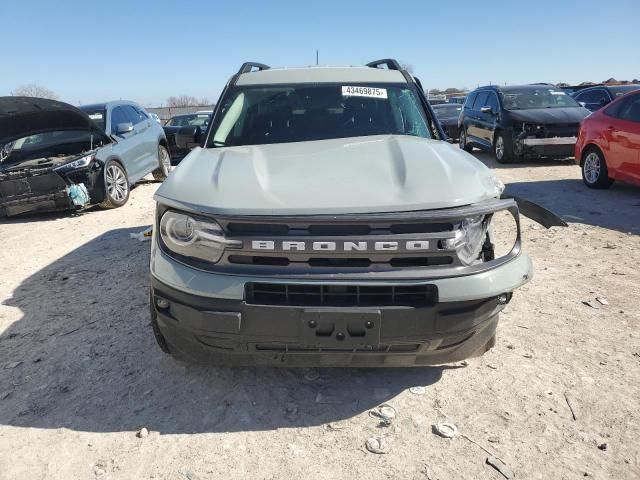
column 550, row 115
column 350, row 175
column 25, row 116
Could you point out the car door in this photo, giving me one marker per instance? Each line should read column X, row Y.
column 127, row 147
column 488, row 119
column 467, row 112
column 147, row 148
column 474, row 129
column 594, row 98
column 623, row 135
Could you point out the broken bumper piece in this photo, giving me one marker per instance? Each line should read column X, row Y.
column 559, row 147
column 549, row 141
column 48, row 192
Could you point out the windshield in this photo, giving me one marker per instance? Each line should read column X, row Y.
column 48, row 144
column 97, row 115
column 448, row 110
column 529, row 98
column 622, row 89
column 297, row 113
column 189, row 120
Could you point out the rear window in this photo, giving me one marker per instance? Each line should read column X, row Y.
column 97, row 115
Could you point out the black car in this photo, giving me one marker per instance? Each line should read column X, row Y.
column 594, row 98
column 448, row 114
column 185, row 132
column 519, row 122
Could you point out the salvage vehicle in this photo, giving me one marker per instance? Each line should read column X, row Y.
column 448, row 115
column 55, row 157
column 520, row 122
column 594, row 98
column 608, row 146
column 184, row 132
column 326, row 221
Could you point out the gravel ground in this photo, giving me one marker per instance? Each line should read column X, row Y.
column 80, row 373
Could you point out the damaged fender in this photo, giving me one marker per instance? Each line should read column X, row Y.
column 537, row 213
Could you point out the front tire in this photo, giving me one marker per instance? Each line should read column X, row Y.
column 116, row 185
column 503, row 149
column 463, row 140
column 162, row 171
column 595, row 173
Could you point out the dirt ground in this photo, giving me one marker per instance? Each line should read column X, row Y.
column 80, row 372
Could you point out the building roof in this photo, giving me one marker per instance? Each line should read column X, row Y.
column 274, row 76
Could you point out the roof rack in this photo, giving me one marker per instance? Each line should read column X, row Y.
column 390, row 63
column 249, row 66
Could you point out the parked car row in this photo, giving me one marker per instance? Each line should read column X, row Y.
column 54, row 156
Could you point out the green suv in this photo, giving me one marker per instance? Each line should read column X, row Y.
column 326, row 221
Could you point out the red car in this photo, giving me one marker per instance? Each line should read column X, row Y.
column 608, row 146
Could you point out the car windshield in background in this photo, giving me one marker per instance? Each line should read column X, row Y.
column 42, row 144
column 447, row 110
column 529, row 98
column 263, row 115
column 98, row 117
column 189, row 120
column 622, row 89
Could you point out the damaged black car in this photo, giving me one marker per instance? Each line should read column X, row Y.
column 521, row 122
column 54, row 157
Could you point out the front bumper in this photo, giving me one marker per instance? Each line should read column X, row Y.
column 24, row 193
column 559, row 147
column 232, row 332
column 208, row 320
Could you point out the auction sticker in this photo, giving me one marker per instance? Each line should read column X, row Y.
column 364, row 92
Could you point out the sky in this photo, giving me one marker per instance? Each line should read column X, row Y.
column 147, row 51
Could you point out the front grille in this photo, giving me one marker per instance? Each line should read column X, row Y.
column 348, row 246
column 274, row 229
column 340, row 262
column 559, row 130
column 308, row 295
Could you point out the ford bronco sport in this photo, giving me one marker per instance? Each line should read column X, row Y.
column 326, row 222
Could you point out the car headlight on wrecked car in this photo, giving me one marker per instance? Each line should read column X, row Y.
column 78, row 163
column 194, row 237
column 470, row 236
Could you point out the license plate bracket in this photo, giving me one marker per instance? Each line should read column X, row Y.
column 324, row 328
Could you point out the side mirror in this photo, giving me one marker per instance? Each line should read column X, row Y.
column 123, row 128
column 486, row 110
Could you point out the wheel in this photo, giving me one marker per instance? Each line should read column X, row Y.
column 463, row 140
column 594, row 170
column 162, row 171
column 116, row 185
column 503, row 148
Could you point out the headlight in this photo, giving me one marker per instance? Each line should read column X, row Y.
column 192, row 237
column 470, row 236
column 79, row 163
